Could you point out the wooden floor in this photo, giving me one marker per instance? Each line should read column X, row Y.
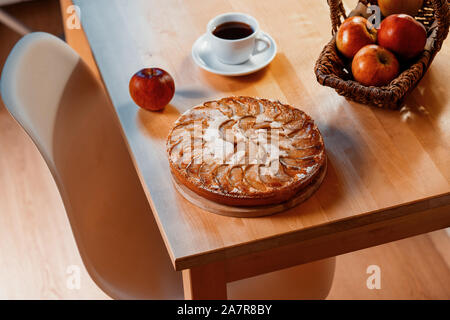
column 37, row 247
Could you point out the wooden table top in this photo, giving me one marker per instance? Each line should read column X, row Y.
column 381, row 164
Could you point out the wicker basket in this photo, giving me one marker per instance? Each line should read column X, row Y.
column 333, row 70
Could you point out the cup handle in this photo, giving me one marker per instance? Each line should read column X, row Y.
column 261, row 37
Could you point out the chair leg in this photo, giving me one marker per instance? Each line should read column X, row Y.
column 13, row 23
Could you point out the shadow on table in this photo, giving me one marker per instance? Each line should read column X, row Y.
column 192, row 93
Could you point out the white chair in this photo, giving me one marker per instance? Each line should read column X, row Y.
column 53, row 95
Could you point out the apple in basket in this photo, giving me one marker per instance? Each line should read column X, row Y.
column 410, row 7
column 355, row 33
column 375, row 66
column 152, row 88
column 403, row 35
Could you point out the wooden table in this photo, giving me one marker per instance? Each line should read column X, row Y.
column 388, row 174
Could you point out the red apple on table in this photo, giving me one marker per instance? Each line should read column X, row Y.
column 410, row 7
column 353, row 34
column 375, row 66
column 403, row 35
column 152, row 88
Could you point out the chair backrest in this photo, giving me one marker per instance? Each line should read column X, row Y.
column 53, row 95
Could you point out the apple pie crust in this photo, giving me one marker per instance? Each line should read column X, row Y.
column 243, row 151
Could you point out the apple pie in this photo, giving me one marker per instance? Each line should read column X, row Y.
column 243, row 151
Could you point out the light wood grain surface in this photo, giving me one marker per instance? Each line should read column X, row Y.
column 377, row 159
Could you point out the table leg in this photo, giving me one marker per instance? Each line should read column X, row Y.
column 205, row 282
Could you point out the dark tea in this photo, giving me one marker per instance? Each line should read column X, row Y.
column 233, row 30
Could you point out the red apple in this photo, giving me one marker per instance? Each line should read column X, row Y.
column 152, row 88
column 410, row 7
column 403, row 35
column 375, row 66
column 353, row 34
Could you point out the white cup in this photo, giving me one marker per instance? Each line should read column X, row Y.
column 239, row 50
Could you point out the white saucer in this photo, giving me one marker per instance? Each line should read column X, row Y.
column 205, row 59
